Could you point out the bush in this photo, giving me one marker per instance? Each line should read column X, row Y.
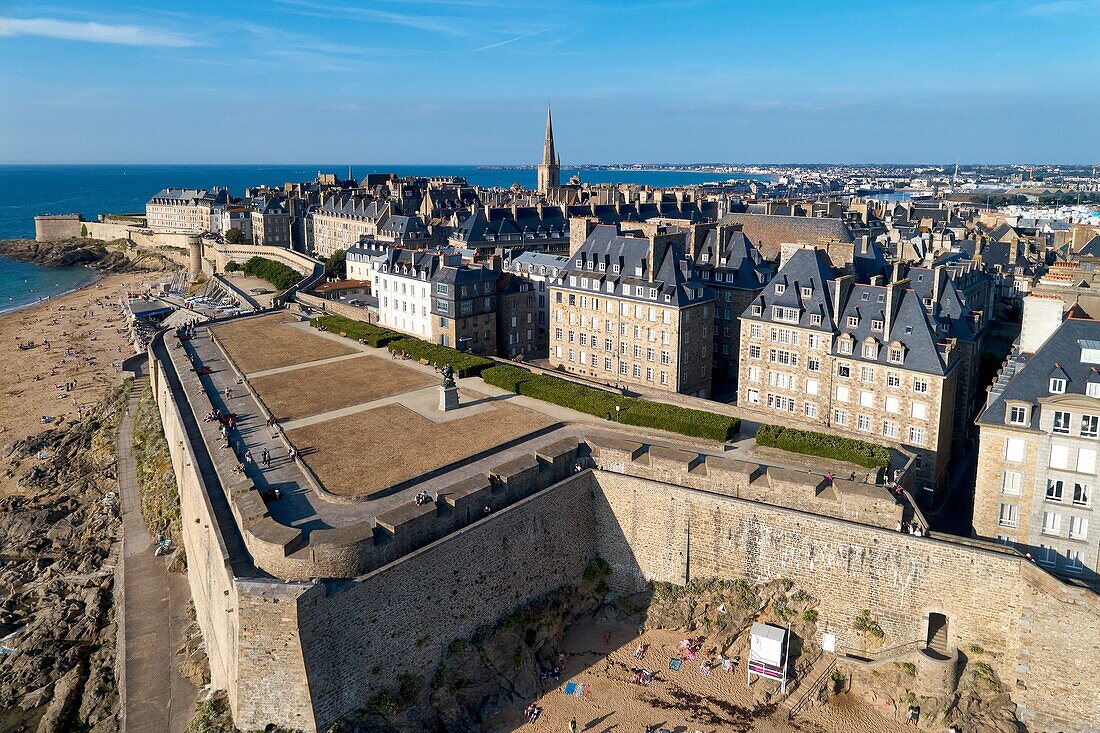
column 234, row 236
column 465, row 365
column 281, row 276
column 643, row 413
column 823, row 446
column 376, row 336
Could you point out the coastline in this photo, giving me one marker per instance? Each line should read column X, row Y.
column 93, row 277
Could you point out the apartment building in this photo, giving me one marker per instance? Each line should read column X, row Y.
column 1037, row 460
column 539, row 269
column 341, row 219
column 731, row 266
column 630, row 308
column 824, row 352
column 270, row 222
column 518, row 333
column 185, row 210
column 403, row 281
column 464, row 307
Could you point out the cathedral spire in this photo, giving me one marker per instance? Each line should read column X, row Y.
column 549, row 172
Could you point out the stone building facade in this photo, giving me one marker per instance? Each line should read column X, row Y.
column 464, row 307
column 341, row 220
column 823, row 352
column 185, row 210
column 1037, row 460
column 402, row 281
column 518, row 332
column 631, row 309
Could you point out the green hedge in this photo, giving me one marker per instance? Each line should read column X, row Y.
column 822, row 445
column 464, row 364
column 676, row 419
column 276, row 273
column 373, row 335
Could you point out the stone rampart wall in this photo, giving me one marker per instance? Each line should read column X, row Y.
column 403, row 616
column 336, row 308
column 225, row 253
column 1034, row 629
column 57, row 227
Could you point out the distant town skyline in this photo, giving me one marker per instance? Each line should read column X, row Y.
column 466, row 82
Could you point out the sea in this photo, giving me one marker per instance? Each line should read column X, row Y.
column 28, row 190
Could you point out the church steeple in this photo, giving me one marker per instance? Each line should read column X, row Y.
column 549, row 172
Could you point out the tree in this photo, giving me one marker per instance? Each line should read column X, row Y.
column 336, row 265
column 84, row 230
column 234, row 236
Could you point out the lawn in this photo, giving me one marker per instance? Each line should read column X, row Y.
column 257, row 344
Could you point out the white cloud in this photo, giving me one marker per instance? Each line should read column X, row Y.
column 124, row 35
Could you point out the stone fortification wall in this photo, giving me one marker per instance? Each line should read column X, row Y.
column 1034, row 629
column 403, row 616
column 854, row 500
column 336, row 308
column 225, row 253
column 57, row 227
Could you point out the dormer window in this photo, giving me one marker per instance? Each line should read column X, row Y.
column 780, row 288
column 853, row 321
column 815, row 319
column 1017, row 415
column 896, row 355
column 615, row 269
column 668, row 299
column 1092, row 389
column 757, row 310
column 638, row 271
column 807, row 292
column 876, row 325
column 870, row 351
column 578, row 263
column 844, row 346
column 882, row 297
column 653, row 292
column 706, row 257
column 1057, row 385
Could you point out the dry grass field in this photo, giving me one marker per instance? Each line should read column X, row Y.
column 317, row 389
column 257, row 344
column 371, row 450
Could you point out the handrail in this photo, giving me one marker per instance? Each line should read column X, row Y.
column 814, row 688
column 877, row 655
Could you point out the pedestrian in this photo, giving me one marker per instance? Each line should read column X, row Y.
column 265, row 457
column 573, row 725
column 228, row 393
column 248, row 457
column 293, row 454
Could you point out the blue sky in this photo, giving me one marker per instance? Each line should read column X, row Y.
column 467, row 81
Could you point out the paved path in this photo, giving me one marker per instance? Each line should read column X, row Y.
column 155, row 697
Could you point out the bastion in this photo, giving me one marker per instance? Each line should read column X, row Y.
column 302, row 598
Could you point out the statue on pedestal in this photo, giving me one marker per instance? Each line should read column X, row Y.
column 448, row 376
column 448, row 390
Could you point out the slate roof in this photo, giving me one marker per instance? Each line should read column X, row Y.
column 1062, row 351
column 767, row 232
column 533, row 262
column 908, row 324
column 742, row 260
column 673, row 276
column 358, row 207
column 1091, row 248
column 403, row 227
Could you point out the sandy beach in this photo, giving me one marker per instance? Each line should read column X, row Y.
column 683, row 701
column 87, row 336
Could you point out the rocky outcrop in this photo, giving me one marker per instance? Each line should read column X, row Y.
column 110, row 257
column 57, row 539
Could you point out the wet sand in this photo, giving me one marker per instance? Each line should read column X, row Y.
column 88, row 338
column 685, row 701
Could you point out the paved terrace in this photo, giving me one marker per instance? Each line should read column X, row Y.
column 328, row 423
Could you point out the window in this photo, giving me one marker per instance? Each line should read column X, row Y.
column 780, row 288
column 810, row 410
column 1086, row 461
column 1090, row 426
column 787, row 315
column 754, row 330
column 622, row 367
column 753, row 396
column 1078, row 528
column 844, row 370
column 893, row 405
column 1074, row 565
column 1081, row 494
column 1012, row 482
column 754, row 351
column 814, row 341
column 876, row 325
column 1047, row 556
column 842, row 394
column 1052, row 522
column 919, row 411
column 1017, row 415
column 853, row 321
column 866, row 374
column 1092, row 389
column 1014, row 450
column 811, row 386
column 840, row 417
column 870, row 351
column 1059, row 456
column 866, row 398
column 1057, row 385
column 757, row 310
column 664, row 377
column 813, row 364
column 864, row 424
column 844, row 346
column 1061, row 422
column 636, row 371
column 889, row 429
column 1008, row 515
column 893, row 379
column 815, row 319
column 920, row 386
column 1054, row 489
column 916, row 436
